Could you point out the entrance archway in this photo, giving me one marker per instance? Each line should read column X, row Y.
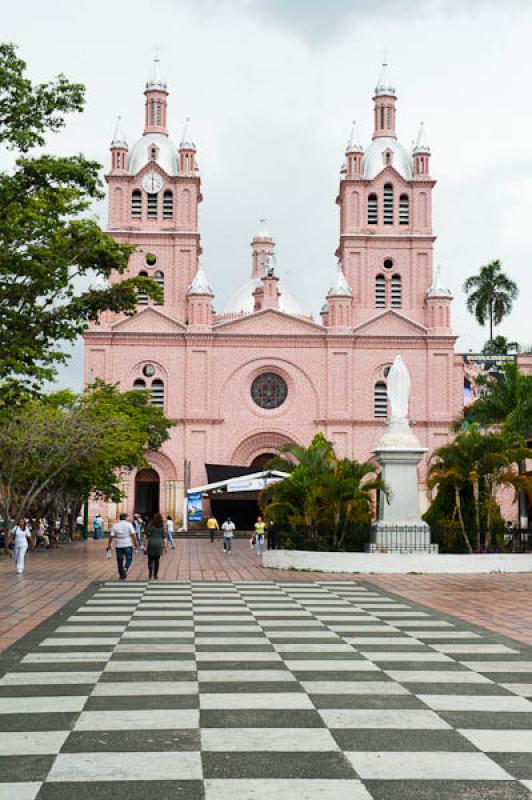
column 261, row 462
column 147, row 492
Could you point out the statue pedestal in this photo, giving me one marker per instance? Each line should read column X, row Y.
column 400, row 527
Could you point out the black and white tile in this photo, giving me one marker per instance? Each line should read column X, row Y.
column 263, row 691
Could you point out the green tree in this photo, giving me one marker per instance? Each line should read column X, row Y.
column 322, row 495
column 491, row 295
column 49, row 242
column 500, row 346
column 58, row 448
column 481, row 462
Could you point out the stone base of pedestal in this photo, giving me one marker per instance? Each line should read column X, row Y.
column 389, row 538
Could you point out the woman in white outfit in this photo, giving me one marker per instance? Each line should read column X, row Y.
column 21, row 536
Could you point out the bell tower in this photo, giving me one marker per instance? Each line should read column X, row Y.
column 386, row 238
column 154, row 194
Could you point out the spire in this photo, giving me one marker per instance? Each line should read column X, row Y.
column 437, row 290
column 119, row 137
column 340, row 287
column 353, row 145
column 200, row 284
column 262, row 232
column 384, row 84
column 155, row 80
column 186, row 142
column 421, row 145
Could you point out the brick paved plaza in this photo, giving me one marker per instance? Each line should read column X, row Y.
column 225, row 680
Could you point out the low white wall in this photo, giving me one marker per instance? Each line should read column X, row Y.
column 368, row 563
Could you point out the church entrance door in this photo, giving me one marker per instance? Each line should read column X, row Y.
column 147, row 492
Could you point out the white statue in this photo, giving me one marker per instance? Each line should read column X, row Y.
column 399, row 388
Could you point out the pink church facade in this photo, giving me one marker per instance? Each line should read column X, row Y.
column 240, row 383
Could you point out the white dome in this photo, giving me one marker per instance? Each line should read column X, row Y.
column 167, row 153
column 374, row 158
column 242, row 301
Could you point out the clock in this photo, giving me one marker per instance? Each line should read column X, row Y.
column 152, row 182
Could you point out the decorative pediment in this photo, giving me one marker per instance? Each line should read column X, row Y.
column 149, row 320
column 269, row 321
column 387, row 170
column 390, row 323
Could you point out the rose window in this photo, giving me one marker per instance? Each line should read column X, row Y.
column 269, row 390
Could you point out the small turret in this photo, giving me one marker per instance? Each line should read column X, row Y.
column 267, row 293
column 156, row 93
column 438, row 304
column 384, row 108
column 199, row 301
column 339, row 302
column 187, row 151
column 354, row 153
column 119, row 148
column 262, row 247
column 421, row 155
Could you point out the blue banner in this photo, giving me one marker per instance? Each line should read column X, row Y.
column 195, row 507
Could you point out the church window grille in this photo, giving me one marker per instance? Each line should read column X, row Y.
column 157, row 393
column 152, row 206
column 372, row 209
column 142, row 297
column 269, row 390
column 396, row 292
column 139, row 385
column 168, row 205
column 158, row 277
column 404, row 210
column 158, row 110
column 380, row 400
column 388, row 117
column 380, row 291
column 152, row 112
column 388, row 204
column 382, row 117
column 136, row 204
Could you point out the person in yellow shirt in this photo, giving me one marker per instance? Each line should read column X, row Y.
column 260, row 527
column 212, row 526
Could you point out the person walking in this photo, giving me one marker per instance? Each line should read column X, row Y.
column 170, row 531
column 124, row 536
column 228, row 528
column 260, row 527
column 97, row 527
column 21, row 539
column 155, row 543
column 212, row 526
column 137, row 524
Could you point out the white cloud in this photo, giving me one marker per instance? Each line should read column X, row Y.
column 271, row 88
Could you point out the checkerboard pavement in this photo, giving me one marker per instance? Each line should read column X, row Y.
column 262, row 691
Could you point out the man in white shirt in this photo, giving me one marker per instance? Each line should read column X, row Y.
column 228, row 528
column 124, row 536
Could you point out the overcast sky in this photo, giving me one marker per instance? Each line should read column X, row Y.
column 271, row 87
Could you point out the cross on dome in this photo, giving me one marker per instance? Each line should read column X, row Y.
column 155, row 80
column 384, row 84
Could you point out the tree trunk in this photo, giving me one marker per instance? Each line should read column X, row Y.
column 476, row 500
column 491, row 321
column 460, row 517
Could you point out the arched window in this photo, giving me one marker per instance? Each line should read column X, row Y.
column 380, row 400
column 153, row 153
column 158, row 277
column 388, row 204
column 404, row 210
column 142, row 297
column 152, row 206
column 158, row 107
column 139, row 384
column 372, row 209
column 380, row 291
column 157, row 393
column 396, row 298
column 168, row 205
column 382, row 117
column 136, row 204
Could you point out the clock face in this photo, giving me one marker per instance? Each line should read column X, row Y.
column 152, row 182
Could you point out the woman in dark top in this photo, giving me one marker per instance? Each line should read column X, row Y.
column 155, row 543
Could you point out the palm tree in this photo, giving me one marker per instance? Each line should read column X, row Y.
column 500, row 346
column 491, row 294
column 322, row 494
